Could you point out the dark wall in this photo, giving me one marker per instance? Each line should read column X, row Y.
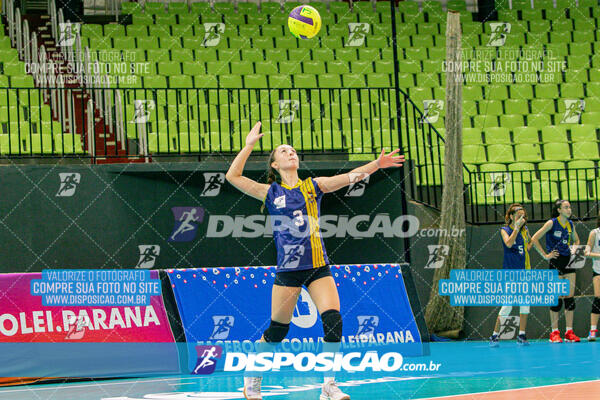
column 115, row 209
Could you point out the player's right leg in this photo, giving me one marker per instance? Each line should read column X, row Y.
column 595, row 309
column 284, row 297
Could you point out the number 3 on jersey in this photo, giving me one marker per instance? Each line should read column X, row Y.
column 299, row 220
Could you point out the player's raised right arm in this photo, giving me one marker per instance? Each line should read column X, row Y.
column 234, row 175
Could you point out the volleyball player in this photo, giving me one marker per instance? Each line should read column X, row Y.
column 560, row 235
column 301, row 258
column 593, row 250
column 516, row 244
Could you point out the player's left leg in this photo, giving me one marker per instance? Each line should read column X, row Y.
column 325, row 295
column 569, row 302
column 523, row 314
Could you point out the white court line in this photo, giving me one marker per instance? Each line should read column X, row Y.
column 67, row 385
column 509, row 390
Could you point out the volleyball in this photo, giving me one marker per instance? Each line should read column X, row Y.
column 304, row 22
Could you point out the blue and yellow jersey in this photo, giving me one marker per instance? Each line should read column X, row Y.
column 517, row 256
column 294, row 215
column 560, row 237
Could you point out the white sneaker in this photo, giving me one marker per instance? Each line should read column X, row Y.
column 330, row 391
column 252, row 388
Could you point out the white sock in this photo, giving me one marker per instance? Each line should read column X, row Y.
column 593, row 327
column 328, row 379
column 495, row 333
column 569, row 328
column 521, row 332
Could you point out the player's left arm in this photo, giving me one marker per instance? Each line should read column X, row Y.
column 576, row 241
column 332, row 183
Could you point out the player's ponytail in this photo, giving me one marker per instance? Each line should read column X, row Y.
column 271, row 176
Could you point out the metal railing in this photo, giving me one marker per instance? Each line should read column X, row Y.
column 490, row 193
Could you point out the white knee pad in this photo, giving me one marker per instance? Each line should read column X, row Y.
column 505, row 311
column 524, row 310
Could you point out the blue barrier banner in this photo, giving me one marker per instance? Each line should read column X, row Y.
column 232, row 307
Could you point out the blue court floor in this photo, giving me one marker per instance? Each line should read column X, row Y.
column 467, row 367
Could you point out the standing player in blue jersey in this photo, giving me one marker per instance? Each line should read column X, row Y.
column 516, row 243
column 301, row 256
column 593, row 251
column 560, row 235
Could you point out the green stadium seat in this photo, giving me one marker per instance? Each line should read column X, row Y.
column 538, row 120
column 581, row 61
column 554, row 134
column 560, row 37
column 556, row 51
column 337, row 67
column 486, row 169
column 583, row 133
column 585, row 151
column 556, row 151
column 542, row 106
column 511, row 121
column 583, row 37
column 576, row 75
column 497, row 135
column 544, row 191
column 408, row 66
column 491, row 107
column 366, row 67
column 575, row 190
column 572, row 90
column 528, row 152
column 580, row 170
column 586, row 117
column 516, row 106
column 289, row 67
column 377, row 41
column 522, row 171
column 181, row 81
column 500, row 153
column 547, row 91
column 472, row 93
column 346, row 54
column 471, row 136
column 473, row 154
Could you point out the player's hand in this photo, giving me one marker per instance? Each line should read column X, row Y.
column 389, row 160
column 551, row 255
column 520, row 222
column 254, row 135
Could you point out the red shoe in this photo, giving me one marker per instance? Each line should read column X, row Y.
column 571, row 337
column 555, row 337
